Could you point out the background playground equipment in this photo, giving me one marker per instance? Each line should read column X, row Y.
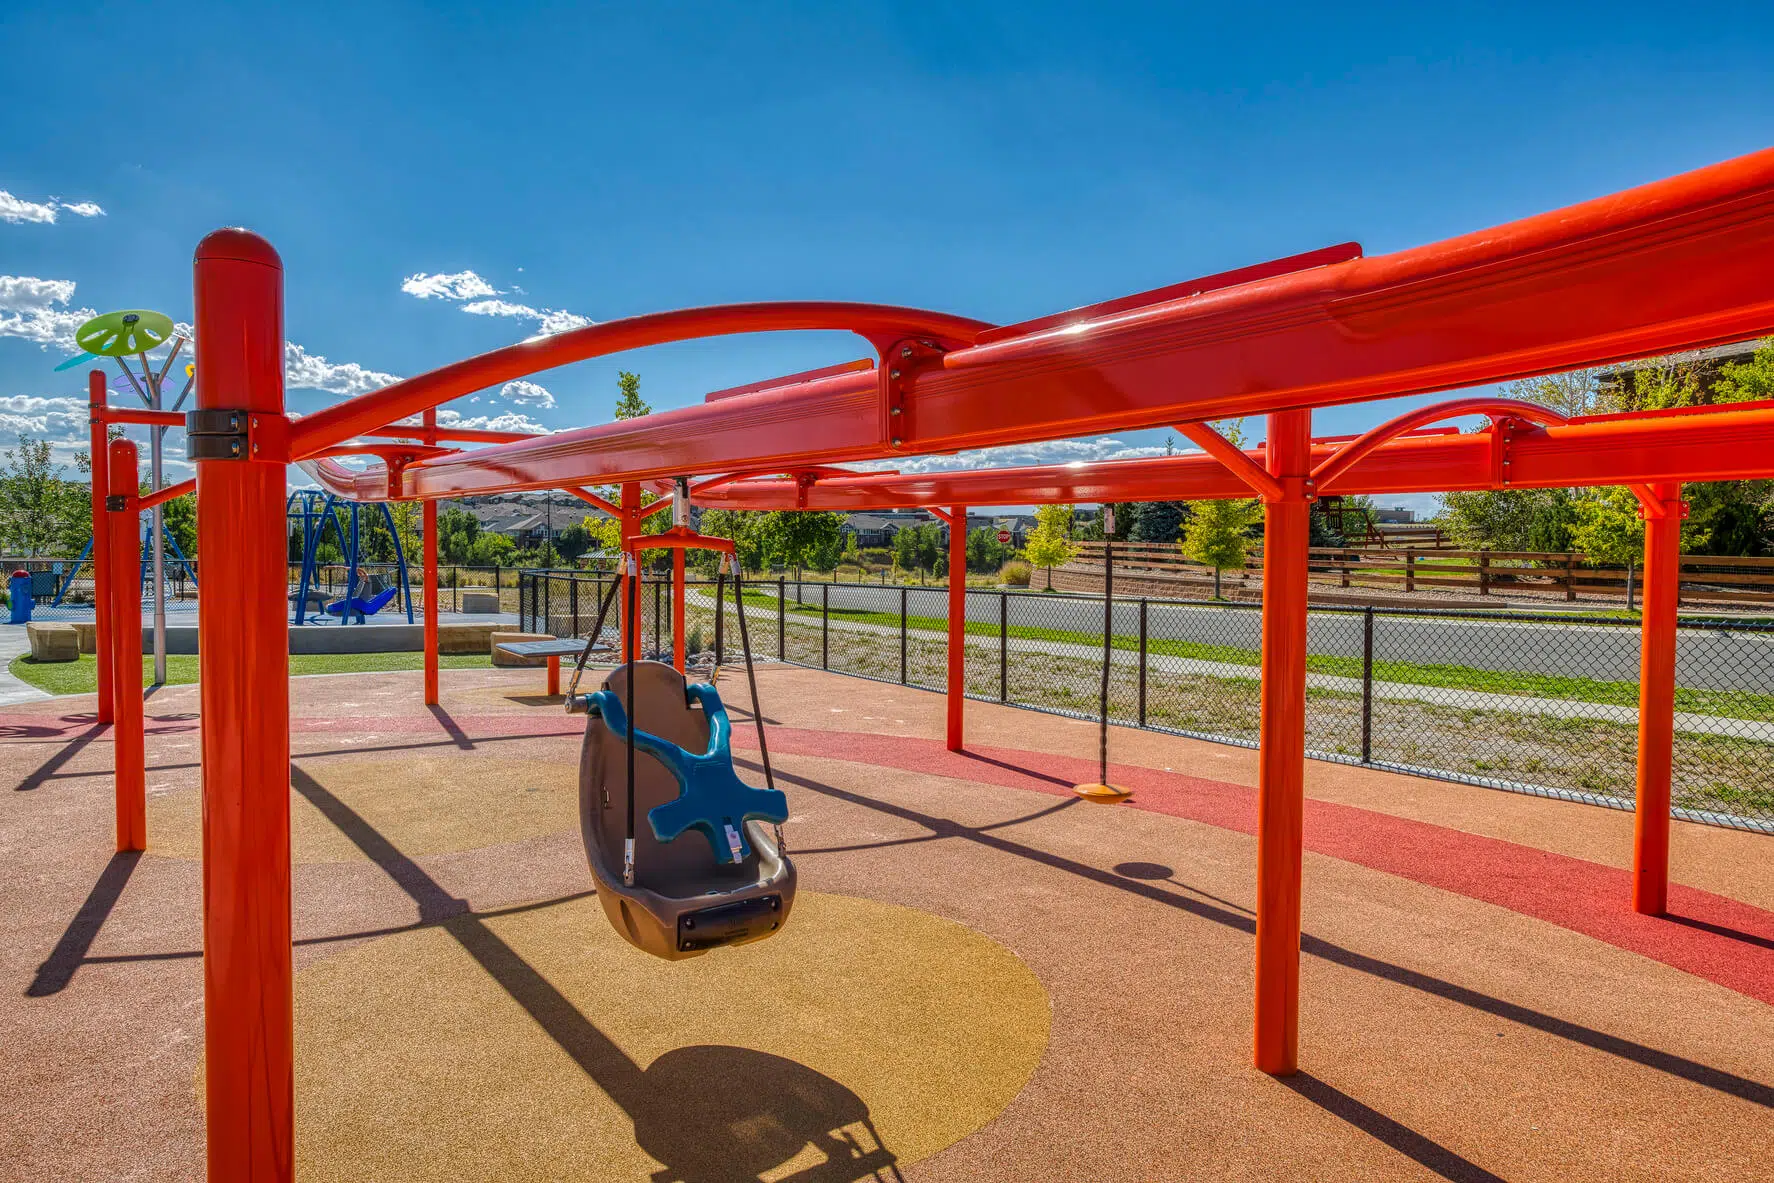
column 180, row 563
column 313, row 510
column 119, row 336
column 1677, row 264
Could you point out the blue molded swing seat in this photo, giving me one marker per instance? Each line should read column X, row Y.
column 363, row 607
column 711, row 800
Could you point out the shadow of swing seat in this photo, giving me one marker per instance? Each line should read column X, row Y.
column 708, row 871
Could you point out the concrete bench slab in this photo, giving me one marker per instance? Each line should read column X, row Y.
column 504, row 657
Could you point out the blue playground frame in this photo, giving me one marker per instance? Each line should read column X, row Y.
column 315, row 509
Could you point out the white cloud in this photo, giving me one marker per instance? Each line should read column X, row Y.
column 18, row 210
column 30, row 309
column 25, row 291
column 509, row 421
column 460, row 285
column 1023, row 455
column 311, row 371
column 554, row 321
column 502, row 308
column 529, row 393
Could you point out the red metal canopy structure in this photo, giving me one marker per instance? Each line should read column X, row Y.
column 1678, row 264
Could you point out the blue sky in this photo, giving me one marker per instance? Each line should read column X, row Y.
column 1000, row 161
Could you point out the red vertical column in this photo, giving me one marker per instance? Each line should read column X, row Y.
column 957, row 680
column 428, row 524
column 1656, row 703
column 1281, row 756
column 96, row 395
column 125, row 655
column 677, row 609
column 243, row 654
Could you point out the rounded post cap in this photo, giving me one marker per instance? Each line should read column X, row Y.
column 238, row 244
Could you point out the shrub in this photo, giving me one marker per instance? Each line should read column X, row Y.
column 1015, row 573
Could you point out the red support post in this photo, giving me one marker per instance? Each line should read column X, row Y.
column 677, row 609
column 554, row 675
column 243, row 655
column 631, row 529
column 96, row 394
column 125, row 654
column 957, row 680
column 1656, row 703
column 1281, row 756
column 428, row 525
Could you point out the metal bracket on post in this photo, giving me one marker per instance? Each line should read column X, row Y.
column 237, row 435
column 901, row 363
column 1503, row 430
column 117, row 502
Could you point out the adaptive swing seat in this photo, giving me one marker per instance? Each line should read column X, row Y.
column 727, row 883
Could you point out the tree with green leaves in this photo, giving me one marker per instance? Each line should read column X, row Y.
column 39, row 511
column 629, row 404
column 1572, row 393
column 457, row 532
column 1049, row 545
column 1155, row 521
column 800, row 539
column 574, row 541
column 915, row 548
column 1218, row 533
column 984, row 552
column 1607, row 528
column 492, row 550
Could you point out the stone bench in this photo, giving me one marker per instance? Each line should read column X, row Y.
column 53, row 642
column 479, row 600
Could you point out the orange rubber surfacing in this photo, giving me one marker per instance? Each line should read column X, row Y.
column 864, row 1037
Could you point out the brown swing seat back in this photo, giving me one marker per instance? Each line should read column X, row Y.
column 682, row 902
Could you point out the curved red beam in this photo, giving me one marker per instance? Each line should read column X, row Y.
column 1349, row 454
column 1715, row 444
column 880, row 324
column 1677, row 264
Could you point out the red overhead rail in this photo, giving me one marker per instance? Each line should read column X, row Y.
column 1677, row 264
column 1723, row 443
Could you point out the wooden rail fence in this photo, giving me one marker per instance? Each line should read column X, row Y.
column 1704, row 578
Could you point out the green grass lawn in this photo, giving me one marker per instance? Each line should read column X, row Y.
column 81, row 677
column 1731, row 704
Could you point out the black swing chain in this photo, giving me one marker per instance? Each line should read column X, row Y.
column 603, row 610
column 751, row 678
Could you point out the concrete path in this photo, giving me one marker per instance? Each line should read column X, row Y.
column 14, row 643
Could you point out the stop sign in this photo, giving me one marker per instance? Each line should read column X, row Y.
column 1004, row 536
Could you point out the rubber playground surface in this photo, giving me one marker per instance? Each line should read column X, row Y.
column 984, row 978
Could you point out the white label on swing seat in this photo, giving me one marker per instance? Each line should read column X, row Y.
column 733, row 842
column 628, row 862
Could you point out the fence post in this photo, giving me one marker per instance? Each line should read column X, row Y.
column 902, row 638
column 1629, row 583
column 658, row 612
column 1343, row 569
column 1003, row 646
column 1142, row 661
column 825, row 626
column 1484, row 572
column 1367, row 685
column 781, row 618
column 720, row 612
column 1570, row 577
column 1410, row 571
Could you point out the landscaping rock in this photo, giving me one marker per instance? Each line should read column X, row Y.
column 53, row 642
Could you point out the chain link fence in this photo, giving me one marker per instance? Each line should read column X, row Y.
column 1528, row 702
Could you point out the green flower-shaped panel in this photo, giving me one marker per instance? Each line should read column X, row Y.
column 119, row 334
